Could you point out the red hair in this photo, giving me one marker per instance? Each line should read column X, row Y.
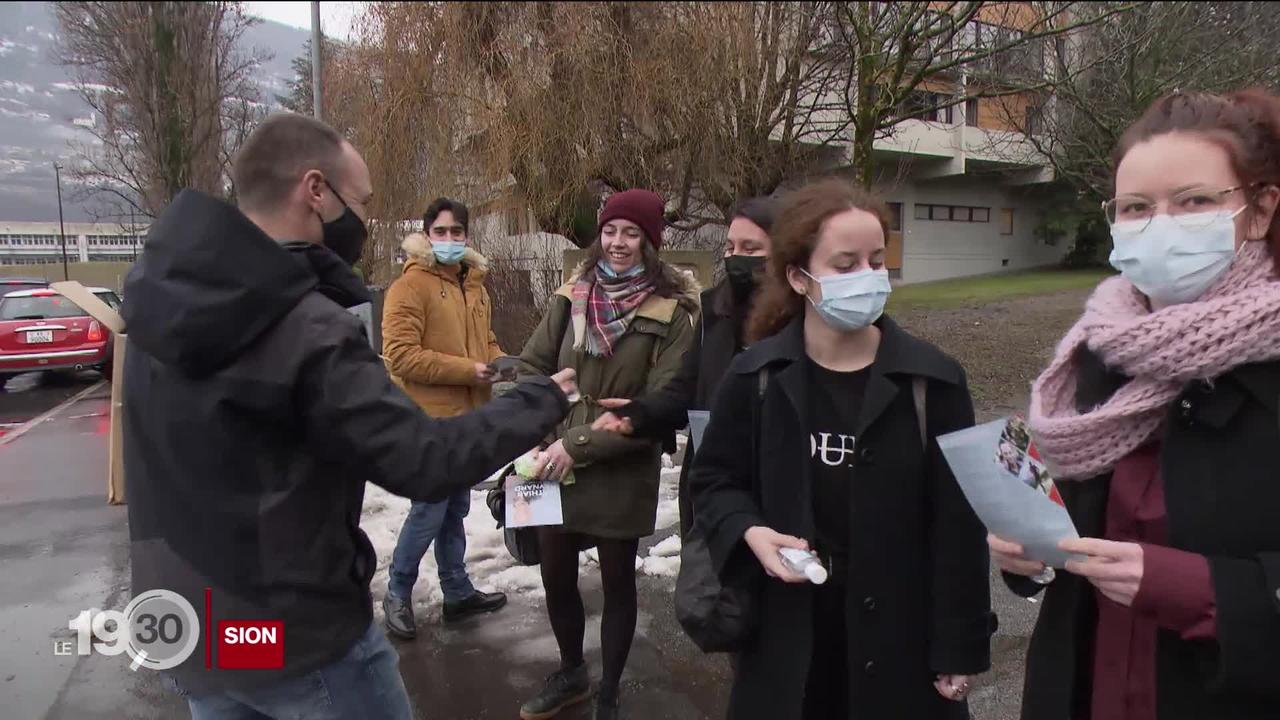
column 1246, row 124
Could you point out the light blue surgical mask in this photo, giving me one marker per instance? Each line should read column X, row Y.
column 852, row 301
column 1174, row 261
column 448, row 252
column 607, row 270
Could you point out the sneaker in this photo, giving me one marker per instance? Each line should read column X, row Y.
column 479, row 603
column 607, row 704
column 563, row 688
column 399, row 614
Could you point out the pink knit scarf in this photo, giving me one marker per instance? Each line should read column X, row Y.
column 1236, row 322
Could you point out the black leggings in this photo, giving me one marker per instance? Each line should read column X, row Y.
column 559, row 555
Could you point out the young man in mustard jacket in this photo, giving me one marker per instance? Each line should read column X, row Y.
column 438, row 342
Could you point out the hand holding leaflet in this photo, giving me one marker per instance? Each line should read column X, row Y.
column 1010, row 490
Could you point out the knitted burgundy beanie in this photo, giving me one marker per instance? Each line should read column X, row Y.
column 642, row 207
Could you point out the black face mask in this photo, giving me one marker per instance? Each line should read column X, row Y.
column 743, row 272
column 345, row 235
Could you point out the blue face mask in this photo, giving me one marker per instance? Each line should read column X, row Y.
column 1171, row 263
column 448, row 252
column 852, row 301
column 607, row 270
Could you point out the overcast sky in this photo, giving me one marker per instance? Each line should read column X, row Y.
column 335, row 17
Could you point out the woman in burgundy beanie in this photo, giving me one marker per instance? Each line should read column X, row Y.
column 623, row 322
column 642, row 207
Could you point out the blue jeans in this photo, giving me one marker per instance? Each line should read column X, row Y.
column 364, row 685
column 440, row 523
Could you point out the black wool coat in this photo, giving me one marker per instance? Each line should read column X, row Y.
column 716, row 341
column 918, row 600
column 1221, row 480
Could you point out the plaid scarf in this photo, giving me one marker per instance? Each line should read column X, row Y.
column 603, row 308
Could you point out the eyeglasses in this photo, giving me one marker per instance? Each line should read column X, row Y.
column 1192, row 209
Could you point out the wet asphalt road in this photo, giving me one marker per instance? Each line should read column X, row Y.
column 63, row 550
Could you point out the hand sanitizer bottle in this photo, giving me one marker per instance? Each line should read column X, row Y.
column 803, row 562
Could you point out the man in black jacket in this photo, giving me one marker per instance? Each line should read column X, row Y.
column 256, row 410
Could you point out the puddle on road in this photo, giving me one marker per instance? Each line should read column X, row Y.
column 30, row 395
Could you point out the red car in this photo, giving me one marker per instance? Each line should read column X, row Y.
column 42, row 330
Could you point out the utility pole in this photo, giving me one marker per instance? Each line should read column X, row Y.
column 62, row 230
column 317, row 37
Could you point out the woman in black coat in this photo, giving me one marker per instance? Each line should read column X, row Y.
column 815, row 441
column 1160, row 419
column 719, row 336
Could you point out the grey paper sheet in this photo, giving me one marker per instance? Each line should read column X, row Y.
column 1008, row 507
column 698, row 420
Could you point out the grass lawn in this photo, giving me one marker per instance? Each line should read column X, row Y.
column 966, row 292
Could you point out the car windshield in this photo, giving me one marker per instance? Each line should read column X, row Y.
column 38, row 307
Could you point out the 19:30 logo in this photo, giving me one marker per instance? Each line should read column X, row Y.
column 158, row 629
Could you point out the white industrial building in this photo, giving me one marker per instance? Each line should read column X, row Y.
column 34, row 243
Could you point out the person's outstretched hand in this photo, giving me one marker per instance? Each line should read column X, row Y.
column 567, row 379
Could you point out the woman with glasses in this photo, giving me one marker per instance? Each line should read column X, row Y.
column 1160, row 417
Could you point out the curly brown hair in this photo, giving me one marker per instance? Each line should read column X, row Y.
column 795, row 234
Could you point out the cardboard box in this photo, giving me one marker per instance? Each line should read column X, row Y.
column 103, row 313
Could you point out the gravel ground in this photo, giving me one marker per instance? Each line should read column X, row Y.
column 1002, row 345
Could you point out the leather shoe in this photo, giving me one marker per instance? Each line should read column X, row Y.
column 478, row 604
column 399, row 617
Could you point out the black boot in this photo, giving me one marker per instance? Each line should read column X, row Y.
column 607, row 704
column 563, row 688
column 399, row 614
column 477, row 604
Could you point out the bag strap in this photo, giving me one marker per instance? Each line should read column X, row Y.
column 919, row 387
column 757, row 410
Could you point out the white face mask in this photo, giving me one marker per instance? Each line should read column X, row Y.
column 1170, row 263
column 852, row 301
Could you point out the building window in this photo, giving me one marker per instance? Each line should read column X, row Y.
column 1006, row 221
column 1035, row 119
column 895, row 217
column 953, row 213
column 971, row 112
column 923, row 105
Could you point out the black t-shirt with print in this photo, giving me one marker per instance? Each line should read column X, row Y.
column 836, row 403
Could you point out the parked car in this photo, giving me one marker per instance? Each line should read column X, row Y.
column 14, row 284
column 40, row 330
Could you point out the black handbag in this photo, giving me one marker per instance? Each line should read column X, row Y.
column 522, row 543
column 717, row 613
column 718, row 610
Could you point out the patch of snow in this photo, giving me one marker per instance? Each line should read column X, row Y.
column 22, row 88
column 73, row 87
column 25, row 114
column 489, row 564
column 7, row 46
column 661, row 566
column 667, row 548
column 668, row 499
